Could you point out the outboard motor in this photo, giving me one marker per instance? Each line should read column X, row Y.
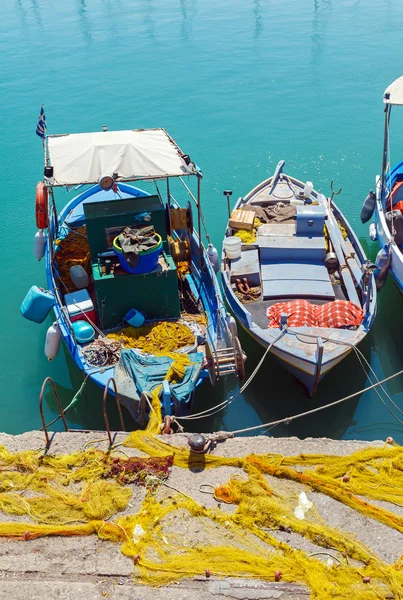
column 368, row 207
column 382, row 262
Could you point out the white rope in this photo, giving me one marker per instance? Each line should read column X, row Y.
column 215, row 409
column 315, row 410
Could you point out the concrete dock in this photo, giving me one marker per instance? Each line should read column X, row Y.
column 84, row 568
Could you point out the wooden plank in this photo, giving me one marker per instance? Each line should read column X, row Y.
column 242, row 219
column 297, row 289
column 293, row 271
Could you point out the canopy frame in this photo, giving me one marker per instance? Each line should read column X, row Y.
column 184, row 166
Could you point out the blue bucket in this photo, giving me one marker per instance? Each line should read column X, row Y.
column 148, row 259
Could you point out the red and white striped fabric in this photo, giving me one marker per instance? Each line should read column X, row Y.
column 301, row 313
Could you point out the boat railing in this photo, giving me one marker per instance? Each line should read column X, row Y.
column 59, row 300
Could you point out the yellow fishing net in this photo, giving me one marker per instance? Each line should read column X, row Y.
column 159, row 338
column 248, row 236
column 173, row 536
column 72, row 250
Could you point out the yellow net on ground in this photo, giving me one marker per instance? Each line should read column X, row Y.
column 173, row 537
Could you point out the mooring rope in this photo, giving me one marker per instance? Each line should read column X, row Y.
column 214, row 409
column 319, row 408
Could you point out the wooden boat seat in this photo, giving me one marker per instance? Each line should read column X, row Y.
column 296, row 280
column 278, row 247
column 247, row 265
column 282, row 229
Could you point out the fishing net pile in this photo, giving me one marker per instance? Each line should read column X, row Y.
column 83, row 493
column 159, row 338
column 248, row 236
column 72, row 250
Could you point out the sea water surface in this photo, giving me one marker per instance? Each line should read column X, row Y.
column 239, row 84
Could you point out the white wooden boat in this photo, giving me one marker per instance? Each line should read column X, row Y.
column 289, row 260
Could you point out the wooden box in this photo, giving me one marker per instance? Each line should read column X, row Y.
column 242, row 219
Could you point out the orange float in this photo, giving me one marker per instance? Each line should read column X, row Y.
column 41, row 205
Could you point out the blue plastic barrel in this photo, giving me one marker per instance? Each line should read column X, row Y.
column 148, row 259
column 37, row 304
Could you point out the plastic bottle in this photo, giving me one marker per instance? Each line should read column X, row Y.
column 39, row 244
column 308, row 189
column 296, row 202
column 52, row 341
column 372, row 232
column 213, row 257
column 79, row 277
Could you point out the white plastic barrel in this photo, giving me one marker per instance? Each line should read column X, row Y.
column 232, row 246
column 52, row 341
column 39, row 244
column 79, row 277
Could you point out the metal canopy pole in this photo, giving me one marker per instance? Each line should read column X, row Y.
column 199, row 176
column 385, row 145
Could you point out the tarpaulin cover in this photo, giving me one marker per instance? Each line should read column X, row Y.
column 136, row 373
column 134, row 154
column 301, row 313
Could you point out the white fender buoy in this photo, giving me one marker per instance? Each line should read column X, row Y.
column 39, row 244
column 213, row 257
column 52, row 341
column 372, row 232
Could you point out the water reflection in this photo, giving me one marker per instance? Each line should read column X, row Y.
column 149, row 21
column 185, row 21
column 37, row 14
column 321, row 11
column 258, row 19
column 84, row 21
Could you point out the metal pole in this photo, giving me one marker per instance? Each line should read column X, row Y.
column 199, row 176
column 228, row 193
column 385, row 145
column 168, row 193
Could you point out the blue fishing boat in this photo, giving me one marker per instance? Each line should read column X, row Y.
column 386, row 203
column 133, row 289
column 296, row 276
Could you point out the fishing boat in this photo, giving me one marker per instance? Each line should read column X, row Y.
column 296, row 276
column 133, row 290
column 386, row 203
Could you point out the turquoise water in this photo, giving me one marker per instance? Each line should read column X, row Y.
column 239, row 85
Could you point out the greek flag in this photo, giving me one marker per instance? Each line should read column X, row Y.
column 41, row 127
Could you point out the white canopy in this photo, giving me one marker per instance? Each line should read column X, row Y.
column 134, row 154
column 394, row 93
